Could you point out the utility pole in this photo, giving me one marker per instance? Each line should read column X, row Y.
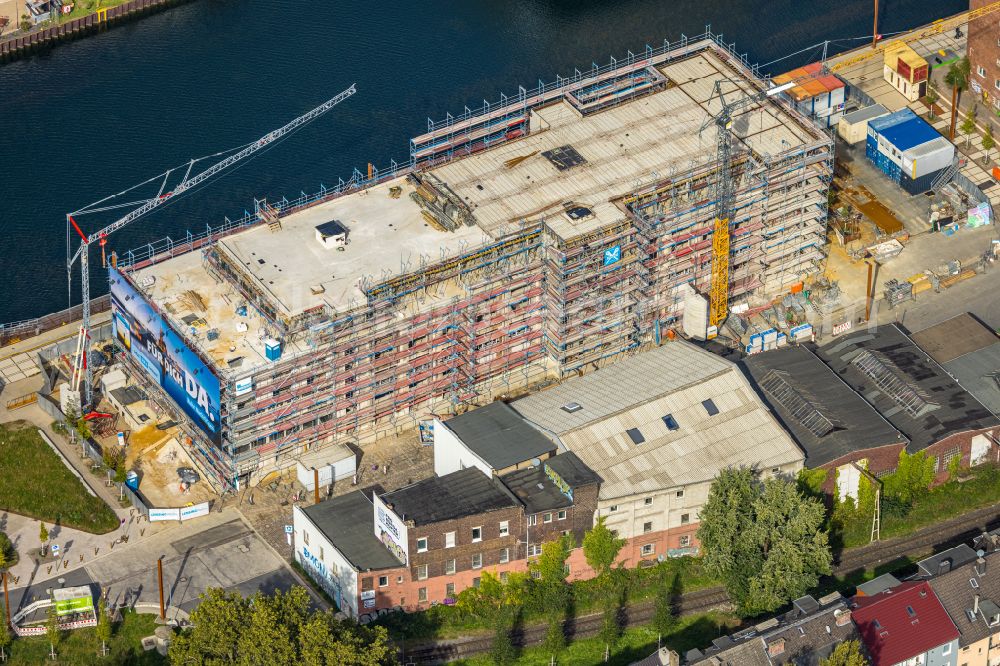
column 868, row 292
column 315, row 485
column 875, row 28
column 159, row 575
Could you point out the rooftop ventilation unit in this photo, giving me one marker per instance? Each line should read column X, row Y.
column 571, row 407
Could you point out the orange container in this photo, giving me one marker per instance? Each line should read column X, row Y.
column 796, row 288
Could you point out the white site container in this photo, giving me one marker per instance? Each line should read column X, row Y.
column 334, row 462
column 853, row 126
column 927, row 158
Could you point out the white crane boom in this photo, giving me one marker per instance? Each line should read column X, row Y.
column 152, row 204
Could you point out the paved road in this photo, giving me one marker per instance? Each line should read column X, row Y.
column 219, row 550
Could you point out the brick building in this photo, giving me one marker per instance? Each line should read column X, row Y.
column 425, row 543
column 916, row 396
column 984, row 57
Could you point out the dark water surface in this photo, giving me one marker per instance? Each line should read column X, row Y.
column 92, row 117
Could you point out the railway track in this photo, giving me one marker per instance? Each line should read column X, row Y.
column 923, row 542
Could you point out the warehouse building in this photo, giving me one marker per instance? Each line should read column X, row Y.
column 970, row 352
column 549, row 234
column 657, row 428
column 836, row 428
column 917, row 397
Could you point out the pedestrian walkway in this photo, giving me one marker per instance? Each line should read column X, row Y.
column 19, row 360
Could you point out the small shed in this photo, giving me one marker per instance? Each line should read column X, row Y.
column 905, row 70
column 334, row 462
column 331, row 234
column 853, row 126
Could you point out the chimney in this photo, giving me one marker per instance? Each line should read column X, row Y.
column 843, row 617
column 975, row 605
column 981, row 566
column 944, row 566
column 775, row 648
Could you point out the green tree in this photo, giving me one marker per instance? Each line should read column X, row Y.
column 988, row 142
column 848, row 653
column 52, row 631
column 969, row 123
column 810, row 482
column 120, row 475
column 278, row 629
column 958, row 78
column 601, row 548
column 668, row 590
column 552, row 590
column 43, row 536
column 912, row 478
column 500, row 605
column 764, row 541
column 103, row 630
column 25, row 23
column 5, row 638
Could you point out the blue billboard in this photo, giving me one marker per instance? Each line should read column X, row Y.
column 161, row 352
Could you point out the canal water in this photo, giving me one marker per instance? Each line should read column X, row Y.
column 95, row 116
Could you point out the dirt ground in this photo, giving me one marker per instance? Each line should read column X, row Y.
column 406, row 461
column 156, row 455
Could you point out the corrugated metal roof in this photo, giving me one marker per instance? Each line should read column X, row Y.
column 638, row 393
column 867, row 113
column 629, row 383
column 812, row 82
column 904, row 129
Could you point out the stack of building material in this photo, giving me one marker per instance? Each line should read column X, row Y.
column 908, row 150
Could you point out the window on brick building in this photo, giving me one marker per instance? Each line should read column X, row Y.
column 547, row 518
column 422, row 594
column 685, row 541
column 422, row 545
column 561, row 515
column 449, row 591
column 399, row 581
column 980, row 70
column 532, row 520
column 449, row 566
column 449, row 539
column 647, row 527
column 996, row 84
column 504, row 555
column 647, row 549
column 383, row 581
column 422, row 572
column 534, row 549
column 685, row 518
column 477, row 534
column 504, row 528
column 366, row 584
column 477, row 561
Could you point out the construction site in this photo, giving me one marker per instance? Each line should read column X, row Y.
column 538, row 238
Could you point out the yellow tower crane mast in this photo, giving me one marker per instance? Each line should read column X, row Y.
column 725, row 195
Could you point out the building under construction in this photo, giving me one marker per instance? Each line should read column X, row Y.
column 541, row 236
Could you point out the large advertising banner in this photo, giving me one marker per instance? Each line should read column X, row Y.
column 391, row 531
column 161, row 352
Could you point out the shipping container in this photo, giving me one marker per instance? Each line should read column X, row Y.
column 853, row 127
column 933, row 156
column 918, row 185
column 816, row 94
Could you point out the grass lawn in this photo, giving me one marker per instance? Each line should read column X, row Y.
column 80, row 646
column 946, row 501
column 35, row 482
column 637, row 643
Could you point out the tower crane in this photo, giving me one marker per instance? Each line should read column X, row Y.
column 187, row 183
column 725, row 193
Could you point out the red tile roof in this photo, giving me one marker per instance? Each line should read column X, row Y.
column 891, row 633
